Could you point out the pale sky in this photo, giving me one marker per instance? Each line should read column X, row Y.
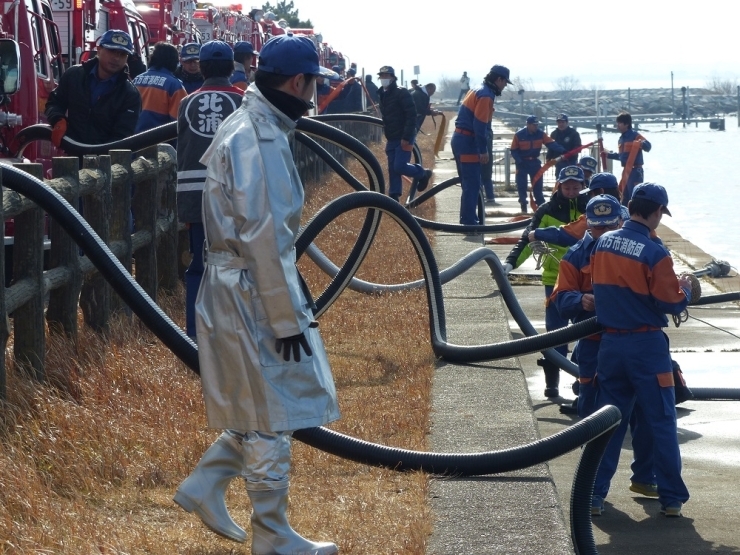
column 608, row 44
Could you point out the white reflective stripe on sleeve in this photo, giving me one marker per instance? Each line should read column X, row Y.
column 192, row 174
column 190, row 186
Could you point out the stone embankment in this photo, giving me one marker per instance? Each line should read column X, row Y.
column 700, row 102
column 548, row 104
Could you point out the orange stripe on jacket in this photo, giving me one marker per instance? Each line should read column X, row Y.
column 664, row 284
column 569, row 279
column 526, row 145
column 159, row 101
column 483, row 109
column 627, row 146
column 577, row 228
column 613, row 269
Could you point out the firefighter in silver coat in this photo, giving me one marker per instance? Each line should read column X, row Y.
column 263, row 366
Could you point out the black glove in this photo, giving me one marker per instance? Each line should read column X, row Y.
column 294, row 343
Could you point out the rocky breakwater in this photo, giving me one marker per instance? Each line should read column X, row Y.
column 582, row 103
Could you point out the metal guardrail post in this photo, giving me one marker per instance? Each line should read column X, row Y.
column 507, row 168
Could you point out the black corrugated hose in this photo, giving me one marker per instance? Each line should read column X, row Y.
column 598, row 425
column 481, row 463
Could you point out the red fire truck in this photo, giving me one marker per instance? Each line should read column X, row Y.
column 227, row 23
column 82, row 22
column 30, row 68
column 168, row 21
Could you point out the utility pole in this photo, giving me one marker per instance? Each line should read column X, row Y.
column 673, row 101
column 521, row 100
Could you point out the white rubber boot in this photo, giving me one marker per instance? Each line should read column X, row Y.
column 204, row 490
column 271, row 533
column 266, row 469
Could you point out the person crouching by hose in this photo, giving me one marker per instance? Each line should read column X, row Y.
column 263, row 365
column 565, row 206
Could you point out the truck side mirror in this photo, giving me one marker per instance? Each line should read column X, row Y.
column 10, row 66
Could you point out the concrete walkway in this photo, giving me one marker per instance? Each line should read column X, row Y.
column 500, row 404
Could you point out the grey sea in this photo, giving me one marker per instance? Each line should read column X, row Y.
column 697, row 166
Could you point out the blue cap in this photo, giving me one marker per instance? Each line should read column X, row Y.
column 532, row 119
column 244, row 47
column 351, row 72
column 216, row 50
column 654, row 192
column 571, row 173
column 603, row 180
column 115, row 39
column 589, row 164
column 191, row 51
column 603, row 210
column 562, row 117
column 501, row 71
column 387, row 69
column 289, row 54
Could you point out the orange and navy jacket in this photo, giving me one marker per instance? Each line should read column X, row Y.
column 574, row 280
column 239, row 78
column 161, row 93
column 633, row 280
column 626, row 141
column 526, row 146
column 475, row 114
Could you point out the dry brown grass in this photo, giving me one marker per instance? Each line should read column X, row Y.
column 89, row 462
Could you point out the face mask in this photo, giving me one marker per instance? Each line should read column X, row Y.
column 385, row 82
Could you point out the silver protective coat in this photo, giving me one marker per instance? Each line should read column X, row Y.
column 251, row 290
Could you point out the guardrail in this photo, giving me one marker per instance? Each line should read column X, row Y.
column 104, row 189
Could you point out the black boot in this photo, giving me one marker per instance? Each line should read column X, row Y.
column 524, row 207
column 552, row 377
column 570, row 408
